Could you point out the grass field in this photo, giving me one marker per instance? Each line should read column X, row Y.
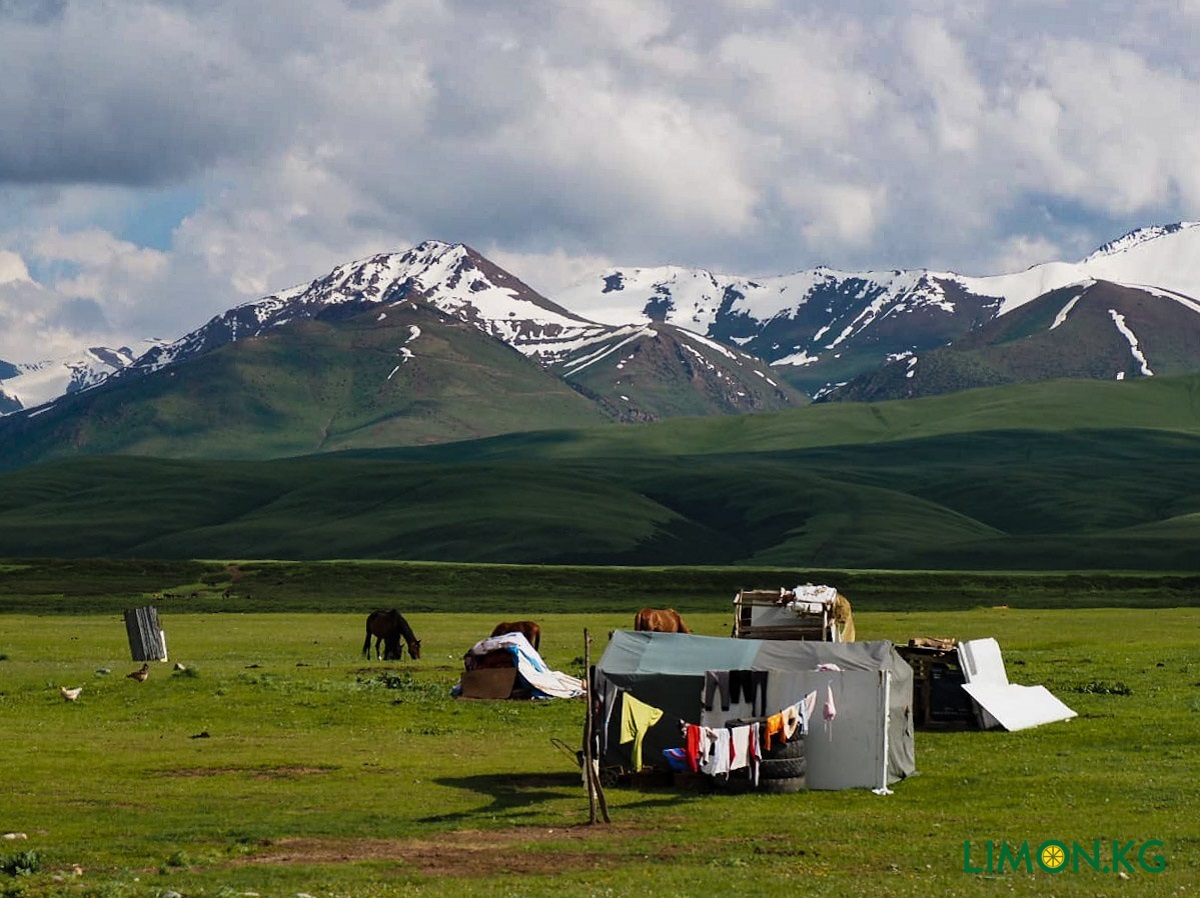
column 94, row 585
column 280, row 763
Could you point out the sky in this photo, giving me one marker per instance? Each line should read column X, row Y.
column 164, row 160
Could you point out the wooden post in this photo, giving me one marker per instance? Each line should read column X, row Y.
column 591, row 776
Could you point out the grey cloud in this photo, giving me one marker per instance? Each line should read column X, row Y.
column 35, row 11
column 693, row 132
column 127, row 95
column 78, row 315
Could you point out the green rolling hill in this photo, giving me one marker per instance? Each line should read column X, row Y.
column 1055, row 476
column 410, row 376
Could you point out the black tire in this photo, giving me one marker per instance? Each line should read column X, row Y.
column 793, row 749
column 737, row 782
column 781, row 786
column 781, row 768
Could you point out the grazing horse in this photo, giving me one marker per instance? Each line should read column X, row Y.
column 387, row 627
column 526, row 628
column 660, row 620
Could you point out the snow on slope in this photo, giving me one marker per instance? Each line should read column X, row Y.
column 450, row 277
column 37, row 383
column 1167, row 257
column 1131, row 337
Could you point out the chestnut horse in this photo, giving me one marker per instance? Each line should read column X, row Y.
column 526, row 628
column 388, row 627
column 660, row 620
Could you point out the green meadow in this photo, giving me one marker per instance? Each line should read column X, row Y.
column 281, row 763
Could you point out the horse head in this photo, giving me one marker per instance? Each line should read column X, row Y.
column 414, row 649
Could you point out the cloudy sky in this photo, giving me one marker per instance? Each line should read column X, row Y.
column 163, row 160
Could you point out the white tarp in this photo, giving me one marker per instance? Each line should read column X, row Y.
column 544, row 682
column 1000, row 702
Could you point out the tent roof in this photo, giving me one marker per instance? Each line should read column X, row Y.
column 632, row 652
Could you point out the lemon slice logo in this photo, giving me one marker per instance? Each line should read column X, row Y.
column 1052, row 856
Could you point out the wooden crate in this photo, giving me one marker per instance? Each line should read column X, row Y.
column 939, row 701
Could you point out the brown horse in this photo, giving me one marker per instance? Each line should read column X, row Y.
column 388, row 627
column 526, row 628
column 660, row 620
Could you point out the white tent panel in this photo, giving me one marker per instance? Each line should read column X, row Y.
column 849, row 751
column 1018, row 707
column 1002, row 703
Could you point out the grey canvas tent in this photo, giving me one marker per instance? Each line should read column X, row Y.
column 868, row 744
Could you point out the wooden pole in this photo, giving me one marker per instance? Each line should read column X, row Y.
column 591, row 776
column 588, row 771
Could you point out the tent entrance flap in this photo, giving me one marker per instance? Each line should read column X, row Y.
column 847, row 750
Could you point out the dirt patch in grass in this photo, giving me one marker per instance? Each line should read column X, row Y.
column 464, row 854
column 258, row 773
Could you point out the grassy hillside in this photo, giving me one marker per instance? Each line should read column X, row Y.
column 975, row 501
column 314, row 386
column 1073, row 475
column 1166, row 404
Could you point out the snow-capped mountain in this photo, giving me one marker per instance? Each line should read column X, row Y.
column 460, row 283
column 824, row 326
column 1093, row 329
column 690, row 374
column 31, row 384
column 451, row 277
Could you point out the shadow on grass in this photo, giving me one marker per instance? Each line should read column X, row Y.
column 519, row 795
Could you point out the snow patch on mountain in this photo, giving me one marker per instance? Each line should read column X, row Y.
column 1128, row 334
column 798, row 359
column 625, row 335
column 846, row 307
column 711, row 344
column 1139, row 236
column 1065, row 310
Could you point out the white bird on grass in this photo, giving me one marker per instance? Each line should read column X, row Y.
column 70, row 695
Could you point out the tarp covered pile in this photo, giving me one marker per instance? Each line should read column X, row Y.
column 532, row 675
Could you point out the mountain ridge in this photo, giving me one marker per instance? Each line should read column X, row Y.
column 805, row 335
column 823, row 326
column 1096, row 329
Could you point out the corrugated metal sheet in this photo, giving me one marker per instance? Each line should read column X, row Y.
column 147, row 642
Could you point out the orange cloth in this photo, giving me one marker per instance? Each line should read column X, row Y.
column 773, row 726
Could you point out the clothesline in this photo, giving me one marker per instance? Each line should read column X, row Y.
column 713, row 749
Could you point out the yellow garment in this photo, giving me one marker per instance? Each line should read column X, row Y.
column 636, row 718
